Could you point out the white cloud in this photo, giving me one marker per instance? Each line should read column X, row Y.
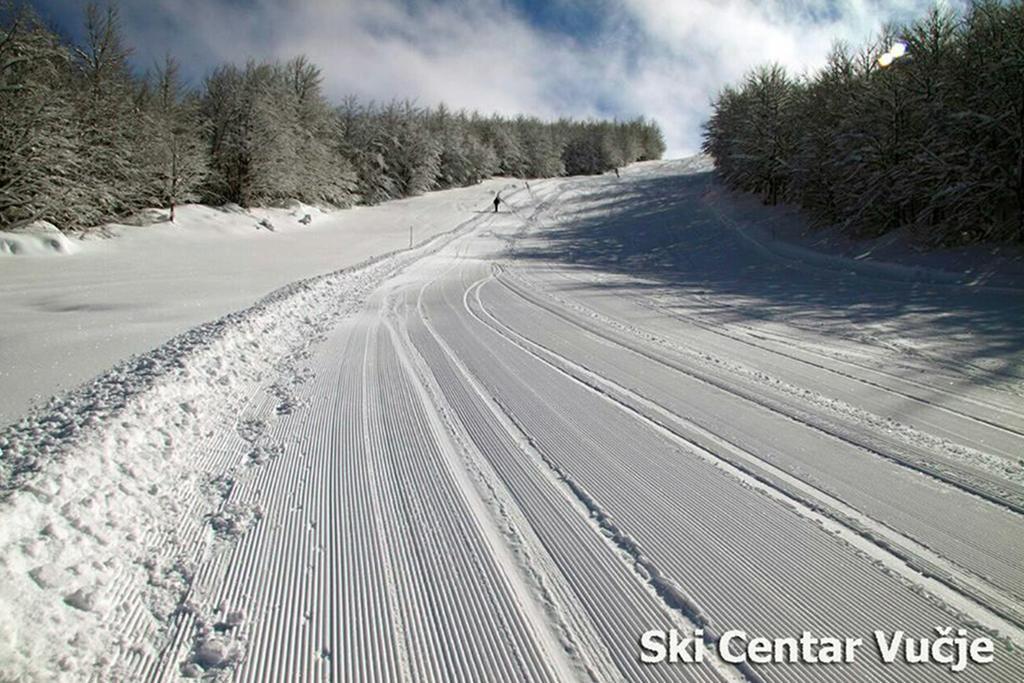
column 662, row 58
column 720, row 40
column 469, row 54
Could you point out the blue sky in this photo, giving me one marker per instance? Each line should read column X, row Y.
column 664, row 59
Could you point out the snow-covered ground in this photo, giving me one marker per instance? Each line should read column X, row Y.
column 506, row 454
column 66, row 315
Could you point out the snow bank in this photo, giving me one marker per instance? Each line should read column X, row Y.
column 37, row 239
column 782, row 233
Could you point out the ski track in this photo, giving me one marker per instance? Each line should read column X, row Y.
column 983, row 539
column 991, row 419
column 653, row 514
column 469, row 461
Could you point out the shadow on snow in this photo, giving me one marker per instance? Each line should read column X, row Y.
column 661, row 234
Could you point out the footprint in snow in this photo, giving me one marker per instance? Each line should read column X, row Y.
column 262, row 454
column 251, row 429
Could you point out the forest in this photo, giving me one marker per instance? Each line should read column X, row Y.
column 922, row 129
column 85, row 139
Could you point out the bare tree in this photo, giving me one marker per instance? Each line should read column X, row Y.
column 112, row 127
column 931, row 140
column 39, row 164
column 177, row 154
column 84, row 140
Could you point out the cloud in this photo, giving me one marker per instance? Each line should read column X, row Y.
column 663, row 59
column 698, row 46
column 480, row 54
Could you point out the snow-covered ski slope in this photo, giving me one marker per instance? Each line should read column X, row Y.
column 506, row 454
column 65, row 319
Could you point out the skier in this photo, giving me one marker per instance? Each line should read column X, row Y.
column 497, row 200
column 617, row 172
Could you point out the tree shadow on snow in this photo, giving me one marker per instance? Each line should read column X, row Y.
column 662, row 235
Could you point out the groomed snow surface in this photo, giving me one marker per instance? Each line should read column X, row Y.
column 506, row 453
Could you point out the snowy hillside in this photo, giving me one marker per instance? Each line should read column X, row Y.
column 506, row 453
column 65, row 320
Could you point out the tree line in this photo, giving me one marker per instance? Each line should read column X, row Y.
column 928, row 137
column 85, row 140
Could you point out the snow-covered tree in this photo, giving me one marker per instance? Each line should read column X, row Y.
column 177, row 151
column 930, row 139
column 510, row 154
column 84, row 139
column 323, row 173
column 392, row 147
column 542, row 151
column 984, row 155
column 365, row 143
column 456, row 165
column 587, row 151
column 255, row 134
column 414, row 156
column 652, row 141
column 821, row 160
column 112, row 128
column 39, row 164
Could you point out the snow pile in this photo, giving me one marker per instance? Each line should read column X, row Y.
column 202, row 221
column 43, row 238
column 36, row 239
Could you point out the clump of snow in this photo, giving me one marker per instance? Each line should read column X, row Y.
column 235, row 618
column 289, row 402
column 49, row 576
column 83, row 599
column 251, row 429
column 305, row 213
column 148, row 217
column 292, row 215
column 40, row 238
column 216, row 647
column 264, row 453
column 234, row 519
column 212, row 652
